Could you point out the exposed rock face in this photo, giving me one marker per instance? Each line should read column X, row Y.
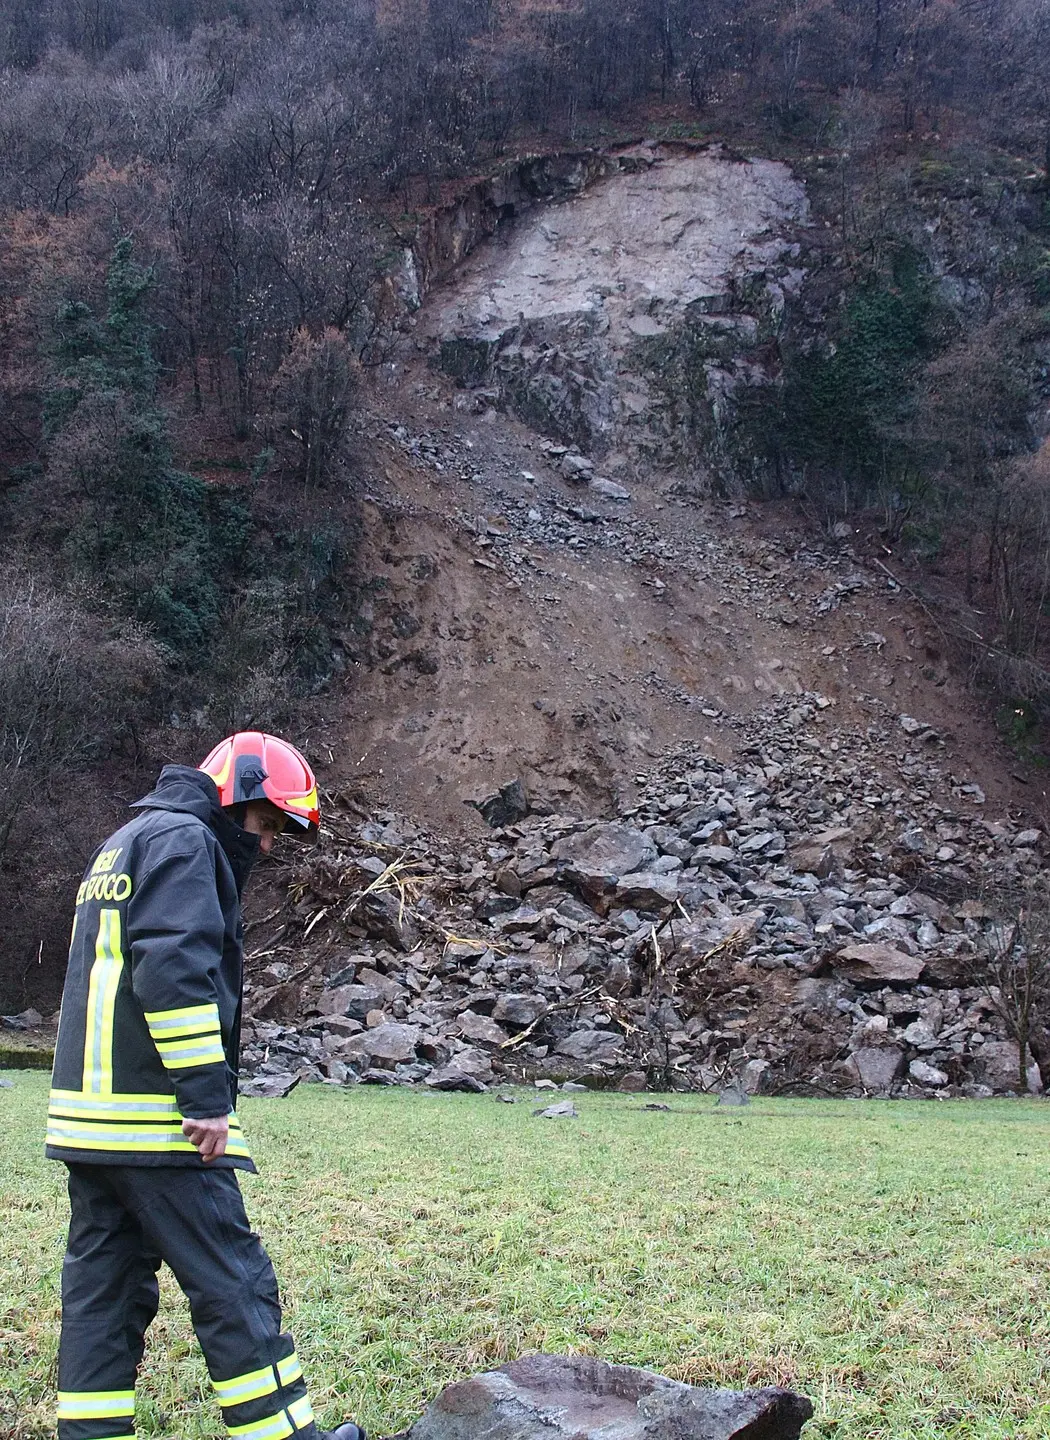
column 631, row 313
column 555, row 1397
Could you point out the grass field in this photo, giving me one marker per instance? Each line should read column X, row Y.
column 890, row 1260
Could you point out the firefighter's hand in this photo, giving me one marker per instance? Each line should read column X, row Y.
column 209, row 1136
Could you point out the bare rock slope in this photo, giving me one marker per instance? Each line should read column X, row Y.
column 627, row 315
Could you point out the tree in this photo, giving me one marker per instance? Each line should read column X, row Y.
column 1015, row 974
column 160, row 540
column 312, row 396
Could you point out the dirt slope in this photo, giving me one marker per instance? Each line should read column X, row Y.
column 530, row 618
column 508, row 636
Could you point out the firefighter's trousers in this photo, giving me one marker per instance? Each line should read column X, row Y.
column 125, row 1220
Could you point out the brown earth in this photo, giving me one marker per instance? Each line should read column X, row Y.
column 493, row 648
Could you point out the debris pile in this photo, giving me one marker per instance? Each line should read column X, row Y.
column 795, row 924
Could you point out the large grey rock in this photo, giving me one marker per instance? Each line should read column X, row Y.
column 385, row 1045
column 647, row 890
column 387, row 987
column 507, row 805
column 481, row 1029
column 996, row 1060
column 562, row 1397
column 468, row 1069
column 354, row 1001
column 268, row 1087
column 385, row 916
column 595, row 859
column 596, row 1047
column 925, row 1074
column 689, row 941
column 876, row 1067
column 878, row 964
column 519, row 1011
column 824, row 853
column 450, row 1077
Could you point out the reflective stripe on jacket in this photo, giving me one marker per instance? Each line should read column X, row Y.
column 149, row 1032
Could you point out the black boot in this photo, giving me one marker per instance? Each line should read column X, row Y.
column 347, row 1431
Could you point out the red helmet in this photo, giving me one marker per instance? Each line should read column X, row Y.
column 254, row 766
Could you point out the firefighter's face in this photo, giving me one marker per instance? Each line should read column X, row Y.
column 265, row 820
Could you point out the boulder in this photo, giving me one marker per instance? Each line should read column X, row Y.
column 385, row 917
column 824, row 853
column 997, row 1065
column 389, row 989
column 26, row 1020
column 562, row 1397
column 468, row 1069
column 595, row 1047
column 354, row 1001
column 597, row 857
column 481, row 1029
column 384, row 1046
column 448, row 1077
column 924, row 1074
column 876, row 1067
column 733, row 1094
column 878, row 964
column 519, row 1011
column 647, row 890
column 275, row 1002
column 753, row 1075
column 690, row 940
column 508, row 805
column 268, row 1087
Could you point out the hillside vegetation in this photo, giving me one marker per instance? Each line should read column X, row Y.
column 204, row 215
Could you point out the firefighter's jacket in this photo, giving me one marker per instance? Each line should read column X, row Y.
column 150, row 1025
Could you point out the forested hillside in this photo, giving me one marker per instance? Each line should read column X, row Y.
column 205, row 213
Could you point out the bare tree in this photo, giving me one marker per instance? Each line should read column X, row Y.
column 1015, row 974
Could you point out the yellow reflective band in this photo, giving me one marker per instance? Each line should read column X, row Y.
column 114, row 1107
column 190, row 1020
column 251, row 1386
column 102, row 996
column 180, row 1054
column 289, row 1369
column 301, row 1413
column 142, row 1109
column 95, row 1404
column 75, row 1135
column 274, row 1427
column 72, row 1095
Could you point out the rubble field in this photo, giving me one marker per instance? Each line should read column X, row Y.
column 814, row 919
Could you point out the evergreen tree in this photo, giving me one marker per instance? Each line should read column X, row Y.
column 161, row 542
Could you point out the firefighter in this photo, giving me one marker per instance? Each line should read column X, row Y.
column 142, row 1106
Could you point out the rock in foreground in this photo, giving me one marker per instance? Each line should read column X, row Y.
column 569, row 1397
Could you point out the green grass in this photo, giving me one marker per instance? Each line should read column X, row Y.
column 889, row 1260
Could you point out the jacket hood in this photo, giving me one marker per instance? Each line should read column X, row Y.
column 185, row 790
column 181, row 788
